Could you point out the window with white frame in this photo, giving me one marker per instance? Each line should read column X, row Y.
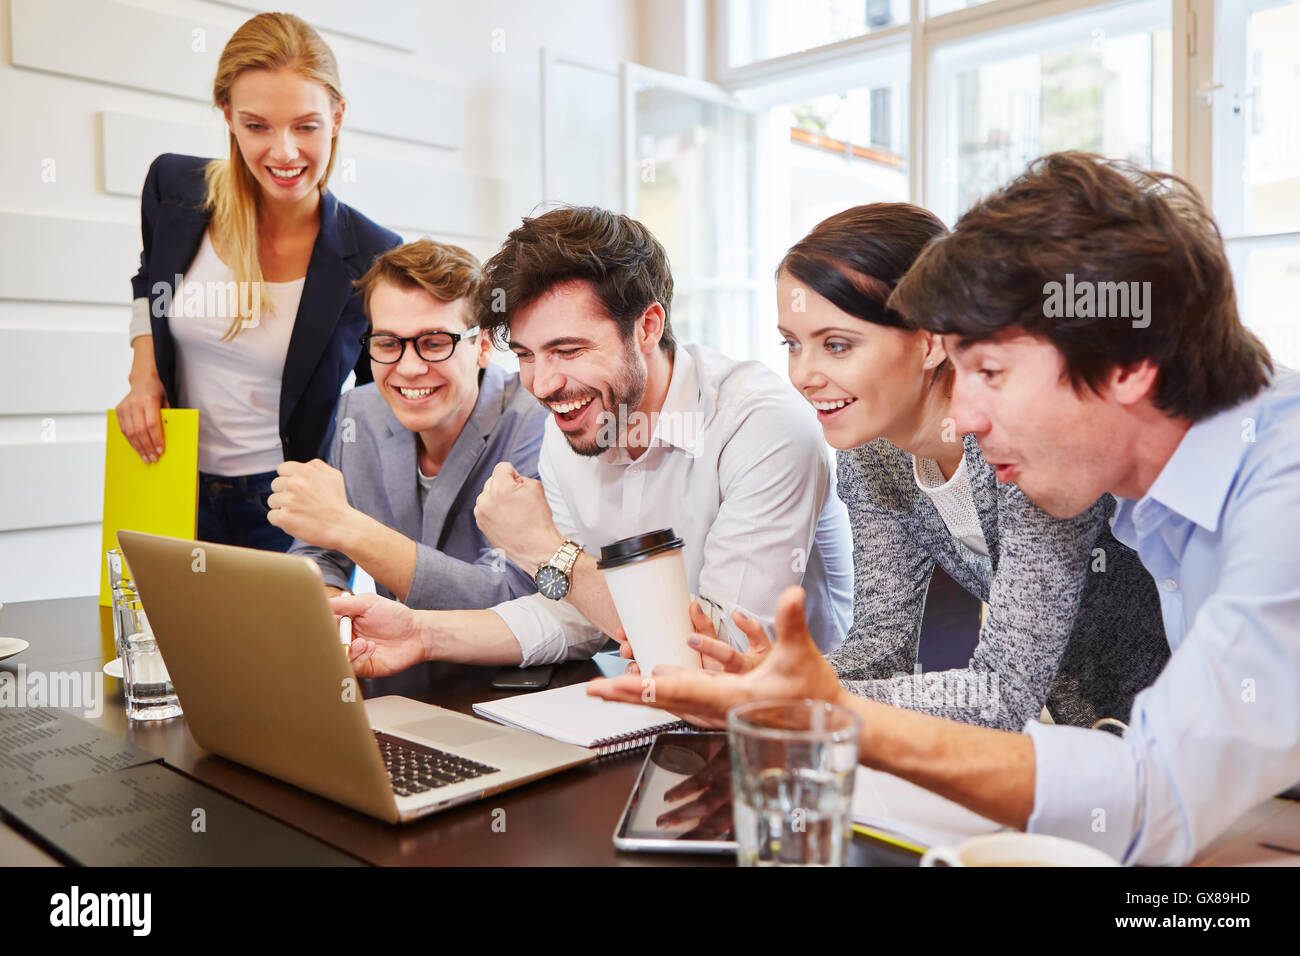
column 830, row 138
column 1256, row 190
column 1095, row 80
column 692, row 184
column 935, row 7
column 766, row 29
column 977, row 88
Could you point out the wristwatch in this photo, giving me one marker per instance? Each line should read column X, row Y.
column 554, row 578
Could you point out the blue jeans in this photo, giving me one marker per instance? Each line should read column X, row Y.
column 232, row 510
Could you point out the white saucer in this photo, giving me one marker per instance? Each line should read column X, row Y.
column 9, row 646
column 114, row 668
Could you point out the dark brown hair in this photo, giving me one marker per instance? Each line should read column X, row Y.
column 1099, row 221
column 855, row 258
column 444, row 271
column 624, row 263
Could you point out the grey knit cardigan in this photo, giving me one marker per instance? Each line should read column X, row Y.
column 1073, row 619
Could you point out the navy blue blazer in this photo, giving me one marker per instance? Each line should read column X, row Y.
column 325, row 344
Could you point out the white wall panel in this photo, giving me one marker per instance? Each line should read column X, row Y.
column 70, row 476
column 401, row 105
column 380, row 21
column 130, row 143
column 72, row 316
column 55, row 372
column 402, row 194
column 117, row 43
column 38, row 565
column 132, row 46
column 67, row 260
column 34, row 429
column 421, row 197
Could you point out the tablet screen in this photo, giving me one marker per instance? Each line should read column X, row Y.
column 683, row 795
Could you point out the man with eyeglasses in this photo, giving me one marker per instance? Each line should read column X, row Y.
column 412, row 451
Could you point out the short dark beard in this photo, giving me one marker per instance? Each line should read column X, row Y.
column 625, row 391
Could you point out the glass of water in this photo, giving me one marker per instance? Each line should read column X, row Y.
column 792, row 767
column 124, row 598
column 147, row 686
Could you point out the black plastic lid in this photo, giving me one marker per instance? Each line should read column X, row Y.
column 637, row 548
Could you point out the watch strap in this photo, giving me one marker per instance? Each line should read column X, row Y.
column 566, row 556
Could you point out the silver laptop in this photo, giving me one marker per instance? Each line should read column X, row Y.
column 258, row 665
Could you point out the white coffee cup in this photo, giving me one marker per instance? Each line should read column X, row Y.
column 1017, row 849
column 646, row 577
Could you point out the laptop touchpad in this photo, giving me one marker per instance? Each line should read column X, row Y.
column 450, row 731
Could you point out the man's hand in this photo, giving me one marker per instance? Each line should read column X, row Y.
column 793, row 669
column 513, row 515
column 386, row 635
column 310, row 502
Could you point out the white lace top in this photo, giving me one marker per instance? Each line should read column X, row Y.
column 953, row 500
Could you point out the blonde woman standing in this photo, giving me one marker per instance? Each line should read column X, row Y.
column 244, row 305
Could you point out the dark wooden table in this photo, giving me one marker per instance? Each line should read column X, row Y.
column 564, row 820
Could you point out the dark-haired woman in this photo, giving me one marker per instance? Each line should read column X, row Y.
column 1073, row 618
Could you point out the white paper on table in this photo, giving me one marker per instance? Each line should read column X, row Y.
column 885, row 802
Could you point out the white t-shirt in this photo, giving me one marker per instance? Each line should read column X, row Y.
column 234, row 383
column 425, row 483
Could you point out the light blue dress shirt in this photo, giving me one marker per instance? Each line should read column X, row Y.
column 1219, row 731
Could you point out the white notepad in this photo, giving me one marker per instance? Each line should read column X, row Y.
column 570, row 715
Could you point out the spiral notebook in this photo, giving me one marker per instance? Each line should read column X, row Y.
column 568, row 714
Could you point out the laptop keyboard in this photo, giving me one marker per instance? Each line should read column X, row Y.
column 413, row 768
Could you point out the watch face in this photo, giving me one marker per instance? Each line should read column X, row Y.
column 552, row 582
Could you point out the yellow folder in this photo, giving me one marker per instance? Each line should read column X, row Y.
column 162, row 498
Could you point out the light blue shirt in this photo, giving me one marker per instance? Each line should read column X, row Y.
column 1219, row 731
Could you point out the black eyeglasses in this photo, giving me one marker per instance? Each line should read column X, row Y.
column 430, row 346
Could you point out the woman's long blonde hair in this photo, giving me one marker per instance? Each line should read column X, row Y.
column 269, row 41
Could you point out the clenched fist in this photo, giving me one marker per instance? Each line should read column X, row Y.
column 310, row 502
column 514, row 516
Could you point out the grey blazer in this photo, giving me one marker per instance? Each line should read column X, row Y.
column 1068, row 625
column 455, row 567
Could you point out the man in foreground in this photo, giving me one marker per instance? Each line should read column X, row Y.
column 1171, row 405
